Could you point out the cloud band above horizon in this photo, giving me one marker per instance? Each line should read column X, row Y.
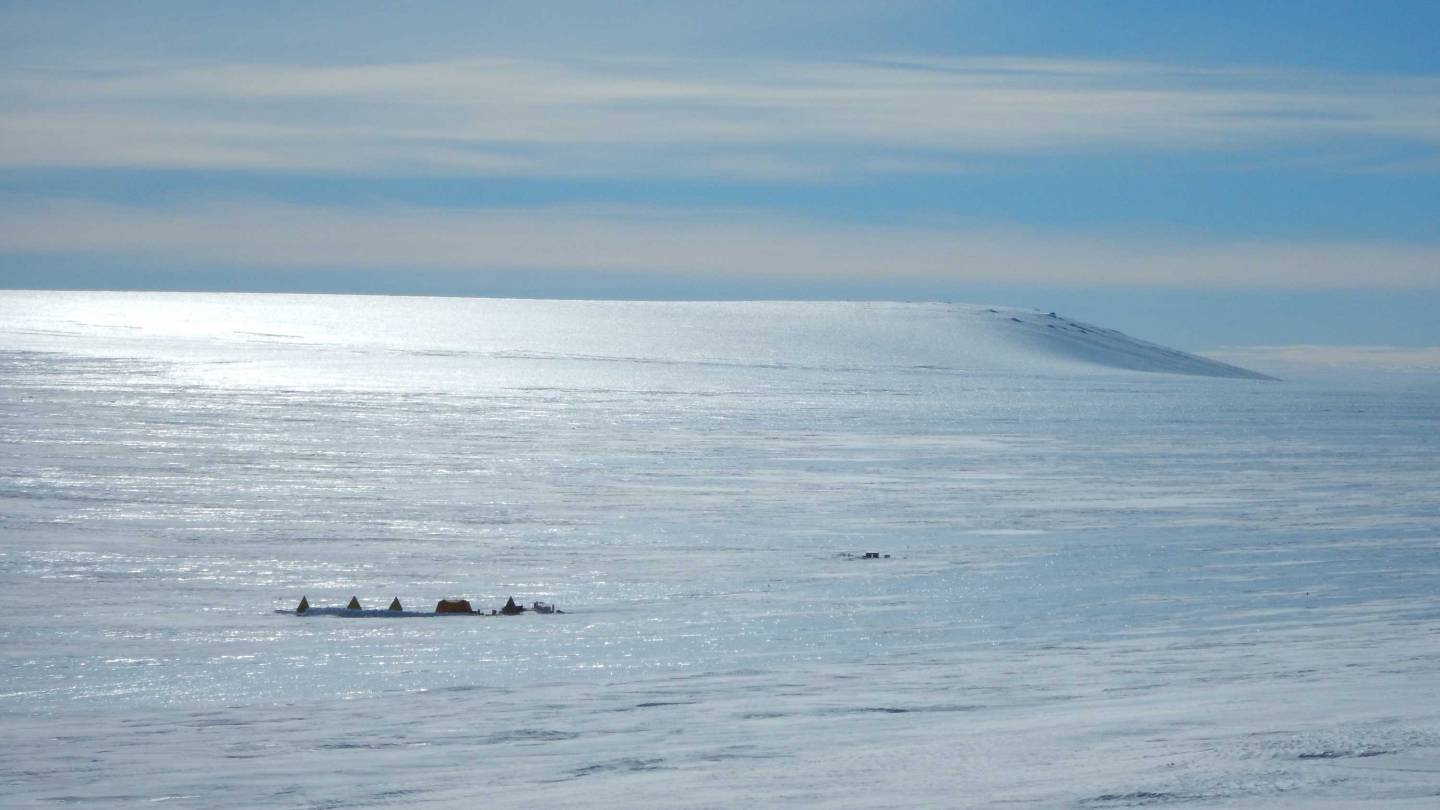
column 696, row 242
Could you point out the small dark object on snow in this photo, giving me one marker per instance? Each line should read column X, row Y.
column 542, row 607
column 511, row 608
column 453, row 606
column 872, row 555
column 395, row 605
column 303, row 606
column 354, row 604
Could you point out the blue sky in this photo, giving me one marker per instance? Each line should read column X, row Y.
column 1200, row 174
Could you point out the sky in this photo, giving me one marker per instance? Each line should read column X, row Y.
column 1205, row 175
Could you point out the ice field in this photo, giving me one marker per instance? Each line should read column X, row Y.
column 1120, row 576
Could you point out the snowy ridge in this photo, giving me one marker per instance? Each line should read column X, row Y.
column 1063, row 337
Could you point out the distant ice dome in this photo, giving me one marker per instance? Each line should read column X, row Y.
column 920, row 336
column 485, row 343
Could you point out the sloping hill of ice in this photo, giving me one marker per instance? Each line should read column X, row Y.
column 389, row 342
column 934, row 336
column 1059, row 337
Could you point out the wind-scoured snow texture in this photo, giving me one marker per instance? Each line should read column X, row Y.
column 1106, row 588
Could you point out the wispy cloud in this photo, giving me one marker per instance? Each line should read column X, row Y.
column 704, row 118
column 696, row 242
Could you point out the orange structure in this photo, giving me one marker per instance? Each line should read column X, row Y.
column 453, row 606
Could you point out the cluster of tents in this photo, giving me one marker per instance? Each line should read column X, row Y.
column 448, row 606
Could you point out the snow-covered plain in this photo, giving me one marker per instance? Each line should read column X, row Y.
column 1108, row 587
